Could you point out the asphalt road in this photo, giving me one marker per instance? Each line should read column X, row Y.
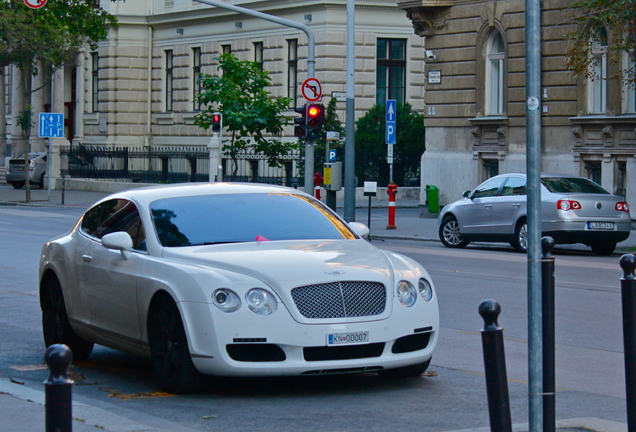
column 450, row 397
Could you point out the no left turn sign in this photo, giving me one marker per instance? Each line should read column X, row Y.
column 35, row 4
column 311, row 89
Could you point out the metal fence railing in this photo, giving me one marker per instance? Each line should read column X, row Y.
column 174, row 164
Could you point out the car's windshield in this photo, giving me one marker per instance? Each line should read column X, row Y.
column 214, row 219
column 572, row 185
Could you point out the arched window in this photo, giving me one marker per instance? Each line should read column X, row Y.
column 495, row 55
column 597, row 82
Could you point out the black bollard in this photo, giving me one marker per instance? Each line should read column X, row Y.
column 495, row 367
column 549, row 368
column 628, row 294
column 58, row 389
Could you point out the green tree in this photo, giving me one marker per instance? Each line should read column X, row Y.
column 594, row 19
column 249, row 112
column 39, row 41
column 371, row 147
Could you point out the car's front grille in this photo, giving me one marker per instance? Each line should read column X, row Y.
column 340, row 299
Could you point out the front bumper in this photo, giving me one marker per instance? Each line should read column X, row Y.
column 244, row 344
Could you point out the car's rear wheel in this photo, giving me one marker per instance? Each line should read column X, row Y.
column 521, row 237
column 17, row 184
column 41, row 182
column 55, row 324
column 449, row 233
column 603, row 248
column 171, row 361
column 406, row 371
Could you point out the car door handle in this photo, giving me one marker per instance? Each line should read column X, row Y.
column 487, row 205
column 516, row 205
column 87, row 258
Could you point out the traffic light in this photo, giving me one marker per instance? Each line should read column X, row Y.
column 217, row 122
column 315, row 119
column 300, row 129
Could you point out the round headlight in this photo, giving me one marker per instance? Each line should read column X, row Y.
column 406, row 293
column 426, row 290
column 261, row 301
column 226, row 300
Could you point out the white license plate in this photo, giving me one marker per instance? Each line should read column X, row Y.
column 17, row 169
column 600, row 225
column 348, row 338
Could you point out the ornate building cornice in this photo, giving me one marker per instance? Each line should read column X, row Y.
column 427, row 16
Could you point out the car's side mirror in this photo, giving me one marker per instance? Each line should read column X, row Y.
column 120, row 241
column 360, row 229
column 466, row 194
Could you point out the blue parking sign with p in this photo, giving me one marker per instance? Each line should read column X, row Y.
column 332, row 155
column 51, row 125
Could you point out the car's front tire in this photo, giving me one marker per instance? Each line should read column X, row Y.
column 603, row 248
column 449, row 233
column 55, row 324
column 406, row 371
column 170, row 356
column 521, row 237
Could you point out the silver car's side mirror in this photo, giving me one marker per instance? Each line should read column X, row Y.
column 359, row 228
column 466, row 194
column 120, row 241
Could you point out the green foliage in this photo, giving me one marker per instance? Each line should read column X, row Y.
column 594, row 18
column 50, row 35
column 249, row 112
column 371, row 148
column 25, row 121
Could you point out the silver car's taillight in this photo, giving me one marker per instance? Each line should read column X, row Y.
column 566, row 205
column 622, row 206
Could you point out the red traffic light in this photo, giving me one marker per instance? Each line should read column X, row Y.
column 313, row 111
column 217, row 120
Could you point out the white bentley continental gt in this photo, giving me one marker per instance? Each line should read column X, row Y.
column 235, row 279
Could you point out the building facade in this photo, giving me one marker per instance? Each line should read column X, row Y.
column 138, row 88
column 476, row 98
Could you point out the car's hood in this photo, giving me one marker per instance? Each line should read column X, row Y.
column 286, row 264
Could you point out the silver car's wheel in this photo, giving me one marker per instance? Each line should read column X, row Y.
column 521, row 237
column 449, row 233
column 603, row 248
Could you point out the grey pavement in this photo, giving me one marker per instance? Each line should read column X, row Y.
column 23, row 408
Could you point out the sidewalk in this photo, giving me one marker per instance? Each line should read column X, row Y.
column 409, row 224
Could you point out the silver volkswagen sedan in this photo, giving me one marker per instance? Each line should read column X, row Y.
column 573, row 210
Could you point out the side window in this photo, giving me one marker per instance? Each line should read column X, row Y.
column 514, row 186
column 112, row 216
column 488, row 188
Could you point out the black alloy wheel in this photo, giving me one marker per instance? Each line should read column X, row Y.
column 55, row 323
column 170, row 356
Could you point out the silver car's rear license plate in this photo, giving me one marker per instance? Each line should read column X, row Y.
column 348, row 338
column 600, row 225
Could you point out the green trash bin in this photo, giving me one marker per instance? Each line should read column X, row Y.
column 432, row 198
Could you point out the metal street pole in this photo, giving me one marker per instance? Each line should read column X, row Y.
column 533, row 168
column 350, row 143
